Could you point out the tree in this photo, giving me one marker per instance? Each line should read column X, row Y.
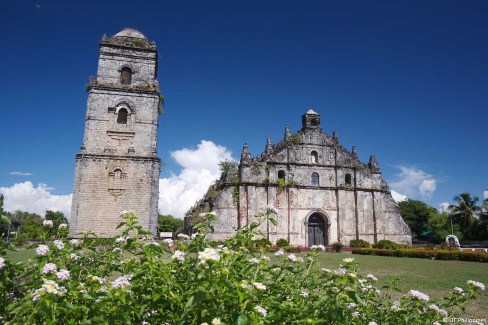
column 226, row 166
column 417, row 214
column 57, row 217
column 167, row 222
column 465, row 210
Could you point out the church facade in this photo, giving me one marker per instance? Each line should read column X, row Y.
column 118, row 167
column 322, row 191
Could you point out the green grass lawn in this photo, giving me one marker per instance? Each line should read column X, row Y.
column 433, row 277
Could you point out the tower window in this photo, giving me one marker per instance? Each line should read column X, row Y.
column 348, row 179
column 281, row 174
column 315, row 179
column 122, row 116
column 315, row 157
column 126, row 76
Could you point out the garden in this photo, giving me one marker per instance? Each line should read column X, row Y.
column 134, row 279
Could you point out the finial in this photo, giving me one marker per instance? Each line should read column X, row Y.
column 104, row 37
column 373, row 165
column 245, row 156
column 287, row 132
column 268, row 146
column 334, row 136
column 354, row 152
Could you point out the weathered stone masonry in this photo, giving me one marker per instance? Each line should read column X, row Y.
column 323, row 193
column 117, row 167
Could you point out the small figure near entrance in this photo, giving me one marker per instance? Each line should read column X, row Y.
column 452, row 241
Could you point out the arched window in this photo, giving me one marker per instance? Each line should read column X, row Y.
column 315, row 157
column 281, row 174
column 126, row 76
column 315, row 179
column 122, row 116
column 348, row 179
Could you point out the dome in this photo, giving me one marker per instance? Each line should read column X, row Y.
column 130, row 32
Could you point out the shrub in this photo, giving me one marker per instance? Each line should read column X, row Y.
column 386, row 244
column 425, row 253
column 282, row 242
column 336, row 247
column 291, row 249
column 139, row 281
column 262, row 242
column 359, row 243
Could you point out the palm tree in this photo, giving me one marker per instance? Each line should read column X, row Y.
column 465, row 210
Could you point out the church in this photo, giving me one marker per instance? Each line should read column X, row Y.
column 322, row 191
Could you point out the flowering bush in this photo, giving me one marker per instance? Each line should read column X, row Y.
column 136, row 280
column 425, row 253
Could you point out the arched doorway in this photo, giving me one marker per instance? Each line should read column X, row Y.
column 317, row 230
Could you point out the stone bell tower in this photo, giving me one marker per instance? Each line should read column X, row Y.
column 117, row 167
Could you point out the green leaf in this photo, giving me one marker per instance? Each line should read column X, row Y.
column 242, row 320
column 195, row 299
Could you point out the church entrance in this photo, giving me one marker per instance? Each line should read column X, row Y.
column 316, row 230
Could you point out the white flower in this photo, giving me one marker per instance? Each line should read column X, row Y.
column 352, row 275
column 372, row 277
column 355, row 314
column 395, row 306
column 377, row 292
column 458, row 290
column 372, row 323
column 261, row 310
column 168, row 241
column 2, row 263
column 292, row 257
column 340, row 271
column 62, row 274
column 348, row 260
column 216, row 321
column 418, row 295
column 123, row 281
column 280, row 253
column 183, row 236
column 50, row 286
column 59, row 244
column 304, row 294
column 436, row 323
column 208, row 254
column 179, row 256
column 254, row 260
column 42, row 250
column 63, row 226
column 193, row 236
column 123, row 212
column 272, row 209
column 351, row 305
column 265, row 258
column 476, row 284
column 438, row 310
column 259, row 286
column 321, row 247
column 49, row 268
column 47, row 223
column 73, row 257
column 74, row 242
column 153, row 243
column 120, row 239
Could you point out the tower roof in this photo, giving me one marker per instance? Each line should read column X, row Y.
column 130, row 32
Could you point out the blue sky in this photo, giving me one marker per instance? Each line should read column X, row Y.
column 404, row 80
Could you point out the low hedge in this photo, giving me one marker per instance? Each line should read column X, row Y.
column 426, row 253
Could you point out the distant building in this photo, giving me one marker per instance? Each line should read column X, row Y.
column 117, row 167
column 323, row 193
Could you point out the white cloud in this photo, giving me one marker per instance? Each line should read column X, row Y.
column 178, row 193
column 485, row 194
column 427, row 188
column 20, row 174
column 24, row 196
column 398, row 197
column 444, row 207
column 414, row 182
